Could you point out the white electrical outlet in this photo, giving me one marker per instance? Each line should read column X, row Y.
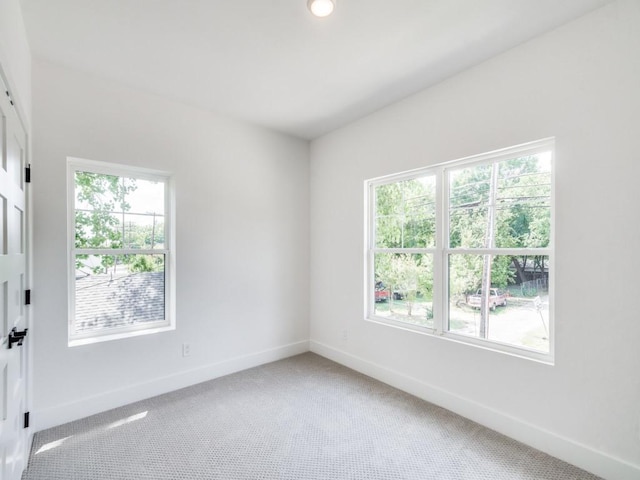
column 186, row 349
column 345, row 334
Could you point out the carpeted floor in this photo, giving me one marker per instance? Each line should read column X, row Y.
column 300, row 418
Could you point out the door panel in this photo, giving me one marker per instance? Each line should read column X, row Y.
column 13, row 370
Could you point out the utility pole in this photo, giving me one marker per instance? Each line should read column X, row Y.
column 489, row 243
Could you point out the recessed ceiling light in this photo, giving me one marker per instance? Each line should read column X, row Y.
column 321, row 8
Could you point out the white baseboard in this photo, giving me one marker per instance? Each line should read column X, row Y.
column 565, row 449
column 87, row 406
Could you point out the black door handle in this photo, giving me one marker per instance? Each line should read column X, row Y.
column 17, row 337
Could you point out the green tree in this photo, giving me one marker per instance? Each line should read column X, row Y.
column 408, row 275
column 145, row 236
column 405, row 218
column 522, row 217
column 100, row 199
column 146, row 263
column 405, row 214
column 502, row 205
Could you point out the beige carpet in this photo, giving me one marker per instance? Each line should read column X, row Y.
column 300, row 418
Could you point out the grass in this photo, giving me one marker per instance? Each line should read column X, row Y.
column 517, row 324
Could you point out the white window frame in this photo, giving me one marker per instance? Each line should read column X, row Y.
column 168, row 323
column 442, row 250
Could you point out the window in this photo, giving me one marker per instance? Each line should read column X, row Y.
column 121, row 259
column 464, row 250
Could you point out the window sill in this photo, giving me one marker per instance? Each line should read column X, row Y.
column 489, row 345
column 78, row 341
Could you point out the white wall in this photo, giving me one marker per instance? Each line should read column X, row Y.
column 242, row 243
column 15, row 58
column 581, row 84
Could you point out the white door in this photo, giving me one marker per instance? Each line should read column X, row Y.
column 13, row 361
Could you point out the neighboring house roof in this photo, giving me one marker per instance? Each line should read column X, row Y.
column 103, row 301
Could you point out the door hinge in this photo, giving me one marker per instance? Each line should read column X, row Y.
column 27, row 174
column 26, row 419
column 27, row 297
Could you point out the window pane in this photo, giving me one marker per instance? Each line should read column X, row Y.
column 468, row 227
column 403, row 288
column 118, row 212
column 505, row 204
column 118, row 291
column 98, row 229
column 145, row 196
column 523, row 202
column 405, row 214
column 468, row 206
column 389, row 231
column 517, row 304
column 143, row 231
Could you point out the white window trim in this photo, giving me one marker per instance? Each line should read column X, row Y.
column 169, row 322
column 442, row 250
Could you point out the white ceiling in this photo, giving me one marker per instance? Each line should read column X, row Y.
column 272, row 63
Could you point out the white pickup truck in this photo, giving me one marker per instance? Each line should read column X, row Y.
column 496, row 297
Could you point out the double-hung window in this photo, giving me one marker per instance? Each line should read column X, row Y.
column 464, row 249
column 121, row 259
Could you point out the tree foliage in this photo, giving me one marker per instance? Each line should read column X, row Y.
column 98, row 196
column 405, row 214
column 101, row 208
column 406, row 275
column 509, row 210
column 405, row 218
column 145, row 263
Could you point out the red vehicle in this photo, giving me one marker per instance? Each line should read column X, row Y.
column 496, row 297
column 381, row 293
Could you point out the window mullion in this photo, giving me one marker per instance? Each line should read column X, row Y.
column 427, row 251
column 118, row 251
column 498, row 251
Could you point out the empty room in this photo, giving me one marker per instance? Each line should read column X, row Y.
column 319, row 239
